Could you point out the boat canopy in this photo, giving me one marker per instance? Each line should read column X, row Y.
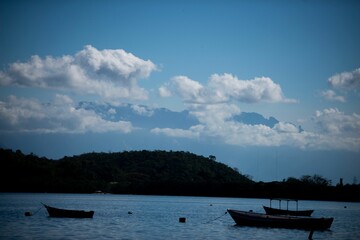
column 287, row 202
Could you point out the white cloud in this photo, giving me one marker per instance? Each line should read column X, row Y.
column 225, row 88
column 188, row 89
column 59, row 116
column 282, row 127
column 112, row 111
column 216, row 123
column 215, row 114
column 143, row 111
column 332, row 96
column 176, row 132
column 346, row 80
column 239, row 134
column 334, row 122
column 261, row 89
column 214, row 106
column 335, row 130
column 111, row 74
column 164, row 91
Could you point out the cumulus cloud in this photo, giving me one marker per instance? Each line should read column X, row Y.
column 214, row 106
column 177, row 132
column 334, row 130
column 110, row 73
column 142, row 110
column 240, row 134
column 261, row 89
column 164, row 91
column 59, row 116
column 216, row 122
column 337, row 130
column 334, row 122
column 188, row 89
column 282, row 127
column 215, row 114
column 332, row 96
column 225, row 88
column 112, row 111
column 346, row 80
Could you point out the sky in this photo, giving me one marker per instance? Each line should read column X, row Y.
column 296, row 61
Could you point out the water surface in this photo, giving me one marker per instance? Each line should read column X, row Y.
column 157, row 217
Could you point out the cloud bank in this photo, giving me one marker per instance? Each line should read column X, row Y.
column 334, row 122
column 346, row 80
column 110, row 74
column 214, row 105
column 332, row 96
column 224, row 88
column 334, row 130
column 58, row 116
column 114, row 74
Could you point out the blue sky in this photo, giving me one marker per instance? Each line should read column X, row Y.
column 297, row 61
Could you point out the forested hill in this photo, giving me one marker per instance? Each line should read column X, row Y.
column 136, row 172
column 156, row 173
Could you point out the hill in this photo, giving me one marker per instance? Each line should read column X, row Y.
column 155, row 173
column 135, row 172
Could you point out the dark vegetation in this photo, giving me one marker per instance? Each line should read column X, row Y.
column 156, row 173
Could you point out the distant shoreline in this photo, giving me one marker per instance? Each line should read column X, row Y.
column 159, row 173
column 200, row 196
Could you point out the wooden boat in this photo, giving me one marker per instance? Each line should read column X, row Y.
column 279, row 211
column 264, row 220
column 65, row 213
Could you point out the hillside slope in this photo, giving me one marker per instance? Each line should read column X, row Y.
column 136, row 172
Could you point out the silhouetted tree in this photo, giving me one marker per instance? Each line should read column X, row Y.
column 315, row 180
column 212, row 157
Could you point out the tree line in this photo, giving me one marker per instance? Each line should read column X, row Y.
column 156, row 173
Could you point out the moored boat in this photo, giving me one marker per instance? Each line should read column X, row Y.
column 66, row 213
column 278, row 211
column 264, row 220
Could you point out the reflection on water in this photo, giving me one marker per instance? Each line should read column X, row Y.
column 157, row 217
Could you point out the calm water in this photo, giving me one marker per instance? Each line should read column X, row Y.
column 157, row 217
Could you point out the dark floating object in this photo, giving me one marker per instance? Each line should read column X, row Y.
column 294, row 222
column 129, row 212
column 279, row 211
column 311, row 234
column 28, row 214
column 65, row 213
column 182, row 220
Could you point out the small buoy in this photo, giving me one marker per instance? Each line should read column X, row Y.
column 210, row 205
column 28, row 214
column 129, row 212
column 182, row 220
column 345, row 206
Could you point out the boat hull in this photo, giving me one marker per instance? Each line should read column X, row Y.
column 263, row 220
column 276, row 211
column 65, row 213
